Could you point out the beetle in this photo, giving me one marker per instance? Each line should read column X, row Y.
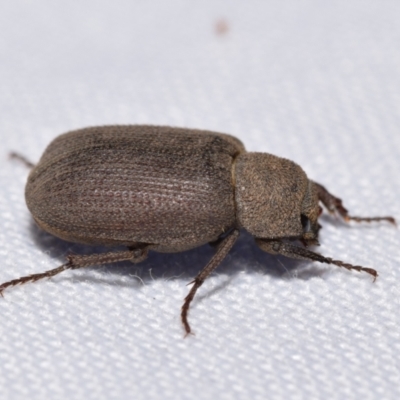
column 171, row 189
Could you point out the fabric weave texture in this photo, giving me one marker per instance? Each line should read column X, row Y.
column 314, row 82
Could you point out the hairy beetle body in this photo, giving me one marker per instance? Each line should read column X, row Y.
column 172, row 189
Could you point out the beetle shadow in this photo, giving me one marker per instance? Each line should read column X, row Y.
column 244, row 256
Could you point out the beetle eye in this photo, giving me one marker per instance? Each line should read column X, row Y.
column 306, row 224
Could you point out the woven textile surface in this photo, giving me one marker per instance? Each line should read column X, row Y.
column 315, row 82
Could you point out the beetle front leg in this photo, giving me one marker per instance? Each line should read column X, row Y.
column 135, row 254
column 334, row 204
column 301, row 253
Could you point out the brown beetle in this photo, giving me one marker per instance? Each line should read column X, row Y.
column 169, row 190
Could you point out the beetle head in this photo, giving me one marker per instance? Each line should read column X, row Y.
column 274, row 198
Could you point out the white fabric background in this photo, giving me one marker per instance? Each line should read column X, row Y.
column 317, row 83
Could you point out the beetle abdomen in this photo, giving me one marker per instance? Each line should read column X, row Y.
column 126, row 184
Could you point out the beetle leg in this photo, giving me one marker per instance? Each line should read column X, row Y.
column 21, row 158
column 214, row 244
column 334, row 204
column 309, row 242
column 134, row 254
column 139, row 252
column 222, row 251
column 300, row 253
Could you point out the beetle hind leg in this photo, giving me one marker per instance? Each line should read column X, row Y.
column 22, row 159
column 135, row 254
column 334, row 204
